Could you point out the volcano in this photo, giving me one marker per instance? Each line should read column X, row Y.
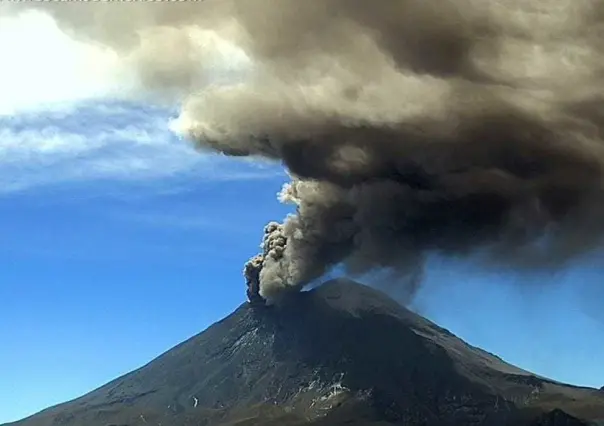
column 340, row 354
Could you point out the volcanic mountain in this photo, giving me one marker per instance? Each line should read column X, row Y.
column 340, row 354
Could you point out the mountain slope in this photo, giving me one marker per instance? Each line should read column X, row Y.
column 338, row 354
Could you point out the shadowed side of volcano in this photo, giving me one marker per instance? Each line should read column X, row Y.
column 340, row 351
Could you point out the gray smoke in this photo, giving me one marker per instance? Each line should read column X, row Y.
column 461, row 127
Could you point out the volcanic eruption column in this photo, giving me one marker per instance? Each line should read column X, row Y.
column 408, row 126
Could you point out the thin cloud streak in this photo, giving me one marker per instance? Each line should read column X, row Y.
column 106, row 141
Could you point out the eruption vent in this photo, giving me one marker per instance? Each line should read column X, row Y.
column 408, row 126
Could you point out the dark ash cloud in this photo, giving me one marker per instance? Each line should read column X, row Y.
column 408, row 126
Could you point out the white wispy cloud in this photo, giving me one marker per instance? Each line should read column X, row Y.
column 71, row 111
column 105, row 141
column 43, row 66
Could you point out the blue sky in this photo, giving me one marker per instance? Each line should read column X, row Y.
column 119, row 241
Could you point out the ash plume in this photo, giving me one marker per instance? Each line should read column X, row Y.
column 461, row 127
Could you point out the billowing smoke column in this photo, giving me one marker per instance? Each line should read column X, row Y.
column 408, row 126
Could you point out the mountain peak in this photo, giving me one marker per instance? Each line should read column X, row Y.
column 340, row 352
column 349, row 296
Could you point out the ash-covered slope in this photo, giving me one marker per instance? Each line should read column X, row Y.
column 339, row 354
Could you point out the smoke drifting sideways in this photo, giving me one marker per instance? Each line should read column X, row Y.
column 409, row 127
